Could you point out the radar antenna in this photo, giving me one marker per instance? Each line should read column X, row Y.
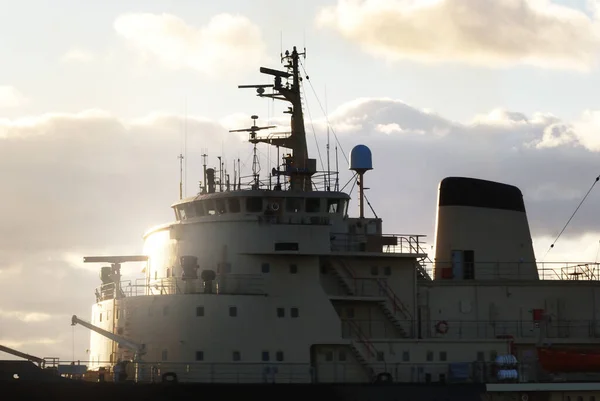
column 254, row 140
column 298, row 166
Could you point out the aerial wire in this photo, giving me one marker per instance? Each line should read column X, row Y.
column 573, row 215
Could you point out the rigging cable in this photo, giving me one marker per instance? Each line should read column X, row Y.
column 573, row 215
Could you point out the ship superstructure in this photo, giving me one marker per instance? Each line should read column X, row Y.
column 255, row 283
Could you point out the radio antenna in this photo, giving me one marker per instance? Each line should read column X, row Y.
column 180, row 157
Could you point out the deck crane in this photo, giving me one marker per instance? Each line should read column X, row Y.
column 23, row 355
column 138, row 349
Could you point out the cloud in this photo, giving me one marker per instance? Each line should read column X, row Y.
column 25, row 316
column 11, row 97
column 214, row 49
column 492, row 33
column 92, row 183
column 79, row 56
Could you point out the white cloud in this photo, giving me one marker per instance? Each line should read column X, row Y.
column 23, row 342
column 28, row 317
column 78, row 55
column 11, row 97
column 494, row 33
column 227, row 43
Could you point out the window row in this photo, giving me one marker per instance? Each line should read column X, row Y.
column 266, row 268
column 233, row 312
column 210, row 207
column 237, row 356
column 375, row 270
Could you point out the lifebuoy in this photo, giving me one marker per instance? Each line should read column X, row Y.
column 275, row 206
column 442, row 327
column 169, row 377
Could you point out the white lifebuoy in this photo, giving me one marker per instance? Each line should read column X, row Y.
column 524, row 397
column 275, row 206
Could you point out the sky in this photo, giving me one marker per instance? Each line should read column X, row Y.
column 97, row 100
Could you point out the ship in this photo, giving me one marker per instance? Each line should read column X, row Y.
column 269, row 288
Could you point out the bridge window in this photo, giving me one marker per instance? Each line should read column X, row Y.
column 344, row 206
column 333, row 205
column 254, row 204
column 199, row 355
column 234, row 205
column 190, row 210
column 199, row 206
column 236, row 356
column 209, row 206
column 182, row 214
column 279, row 356
column 313, row 205
column 221, row 208
column 294, row 312
column 265, row 356
column 293, row 205
column 429, row 356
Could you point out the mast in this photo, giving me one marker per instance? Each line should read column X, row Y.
column 180, row 157
column 298, row 166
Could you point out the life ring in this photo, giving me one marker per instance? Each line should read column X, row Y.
column 442, row 327
column 169, row 377
column 274, row 206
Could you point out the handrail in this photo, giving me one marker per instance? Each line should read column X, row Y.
column 363, row 339
column 398, row 305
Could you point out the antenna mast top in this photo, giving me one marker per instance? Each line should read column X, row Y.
column 298, row 166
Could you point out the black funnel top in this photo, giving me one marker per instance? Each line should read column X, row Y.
column 461, row 191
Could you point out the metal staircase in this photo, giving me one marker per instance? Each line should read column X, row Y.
column 344, row 275
column 395, row 310
column 364, row 351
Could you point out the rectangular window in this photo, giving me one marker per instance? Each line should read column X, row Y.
column 233, row 311
column 221, row 208
column 254, row 205
column 236, row 356
column 293, row 205
column 429, row 356
column 117, row 314
column 265, row 267
column 293, row 269
column 387, row 270
column 164, row 355
column 380, row 356
column 199, row 206
column 313, row 205
column 100, row 316
column 480, row 356
column 234, row 205
column 265, row 356
column 342, row 356
column 294, row 312
column 199, row 355
column 443, row 356
column 209, row 205
column 328, row 356
column 405, row 356
column 280, row 312
column 333, row 205
column 199, row 311
column 374, row 270
column 279, row 356
column 286, row 246
column 469, row 258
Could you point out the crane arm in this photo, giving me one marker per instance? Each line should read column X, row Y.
column 137, row 348
column 23, row 355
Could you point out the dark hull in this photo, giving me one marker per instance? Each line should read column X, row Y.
column 34, row 384
column 86, row 391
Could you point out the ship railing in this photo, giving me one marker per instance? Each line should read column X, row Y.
column 233, row 284
column 335, row 371
column 378, row 243
column 525, row 329
column 496, row 270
